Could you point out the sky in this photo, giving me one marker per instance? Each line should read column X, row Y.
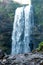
column 23, row 1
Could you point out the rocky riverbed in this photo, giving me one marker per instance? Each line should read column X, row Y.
column 35, row 58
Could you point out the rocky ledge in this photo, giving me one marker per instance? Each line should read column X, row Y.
column 21, row 59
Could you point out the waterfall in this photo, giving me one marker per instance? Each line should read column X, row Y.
column 22, row 29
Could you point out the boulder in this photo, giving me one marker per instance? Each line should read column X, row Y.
column 1, row 54
column 41, row 63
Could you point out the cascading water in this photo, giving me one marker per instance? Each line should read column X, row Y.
column 22, row 28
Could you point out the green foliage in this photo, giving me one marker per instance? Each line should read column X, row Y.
column 7, row 11
column 40, row 48
column 38, row 7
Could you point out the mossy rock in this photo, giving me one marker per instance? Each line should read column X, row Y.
column 40, row 48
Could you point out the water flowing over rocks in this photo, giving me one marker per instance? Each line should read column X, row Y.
column 22, row 59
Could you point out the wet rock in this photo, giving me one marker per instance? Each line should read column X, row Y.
column 25, row 54
column 6, row 56
column 22, row 59
column 41, row 63
column 1, row 54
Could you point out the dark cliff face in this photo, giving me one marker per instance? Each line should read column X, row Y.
column 38, row 20
column 7, row 11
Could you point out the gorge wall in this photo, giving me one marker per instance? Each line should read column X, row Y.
column 7, row 11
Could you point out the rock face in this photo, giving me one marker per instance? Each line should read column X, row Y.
column 1, row 54
column 23, row 59
column 6, row 24
column 5, row 29
column 37, row 35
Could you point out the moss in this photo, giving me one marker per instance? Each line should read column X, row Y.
column 40, row 47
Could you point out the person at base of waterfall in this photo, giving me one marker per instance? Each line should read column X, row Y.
column 31, row 45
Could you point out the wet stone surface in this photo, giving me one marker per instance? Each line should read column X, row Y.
column 21, row 59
